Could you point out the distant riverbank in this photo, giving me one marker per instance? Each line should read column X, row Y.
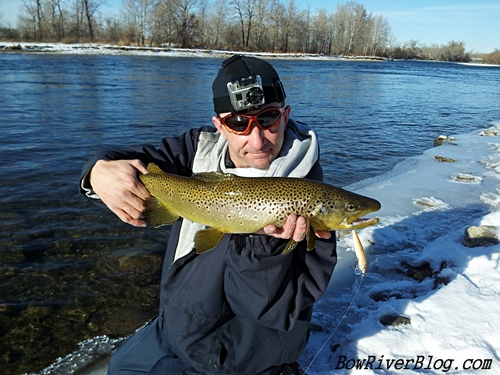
column 95, row 48
column 108, row 49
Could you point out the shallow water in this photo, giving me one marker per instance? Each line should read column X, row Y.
column 70, row 271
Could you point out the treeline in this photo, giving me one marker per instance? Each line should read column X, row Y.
column 247, row 25
column 492, row 58
column 262, row 25
column 453, row 51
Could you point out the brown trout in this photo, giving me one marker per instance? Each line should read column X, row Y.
column 227, row 203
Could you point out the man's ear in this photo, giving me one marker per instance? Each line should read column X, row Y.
column 219, row 126
column 288, row 110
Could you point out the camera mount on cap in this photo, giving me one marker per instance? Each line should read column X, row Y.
column 246, row 93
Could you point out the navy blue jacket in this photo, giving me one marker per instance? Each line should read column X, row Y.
column 243, row 307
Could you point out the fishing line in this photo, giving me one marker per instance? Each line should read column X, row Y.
column 358, row 271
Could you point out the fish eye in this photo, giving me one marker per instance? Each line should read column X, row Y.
column 350, row 207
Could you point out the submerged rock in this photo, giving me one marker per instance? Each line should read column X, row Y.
column 444, row 159
column 440, row 140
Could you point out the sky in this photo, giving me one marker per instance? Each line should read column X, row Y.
column 428, row 21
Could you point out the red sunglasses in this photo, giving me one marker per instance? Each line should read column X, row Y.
column 241, row 124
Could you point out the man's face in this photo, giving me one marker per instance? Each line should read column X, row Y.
column 259, row 147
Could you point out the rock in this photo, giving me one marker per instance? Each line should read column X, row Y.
column 444, row 159
column 419, row 272
column 484, row 235
column 490, row 132
column 467, row 178
column 440, row 140
column 394, row 320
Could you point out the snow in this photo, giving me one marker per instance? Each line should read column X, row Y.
column 450, row 307
column 108, row 49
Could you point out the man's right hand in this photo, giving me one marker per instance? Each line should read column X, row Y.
column 117, row 183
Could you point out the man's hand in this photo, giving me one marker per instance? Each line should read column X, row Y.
column 295, row 227
column 118, row 185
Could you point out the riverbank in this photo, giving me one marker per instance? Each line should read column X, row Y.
column 108, row 49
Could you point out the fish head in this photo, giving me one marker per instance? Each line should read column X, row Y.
column 345, row 211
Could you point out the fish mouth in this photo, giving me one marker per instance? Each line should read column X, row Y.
column 361, row 222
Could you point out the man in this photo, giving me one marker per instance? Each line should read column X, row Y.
column 243, row 307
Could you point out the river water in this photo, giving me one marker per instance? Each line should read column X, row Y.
column 70, row 271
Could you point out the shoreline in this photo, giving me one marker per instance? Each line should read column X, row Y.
column 108, row 49
column 116, row 50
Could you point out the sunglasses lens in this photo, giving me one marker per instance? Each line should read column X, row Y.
column 240, row 123
column 268, row 118
column 237, row 123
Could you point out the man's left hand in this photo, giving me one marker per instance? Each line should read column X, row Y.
column 295, row 227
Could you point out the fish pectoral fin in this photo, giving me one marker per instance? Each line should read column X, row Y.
column 289, row 246
column 207, row 239
column 317, row 224
column 158, row 214
column 311, row 239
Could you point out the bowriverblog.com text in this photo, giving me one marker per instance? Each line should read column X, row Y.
column 418, row 363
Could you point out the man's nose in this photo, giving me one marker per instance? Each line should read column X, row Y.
column 257, row 138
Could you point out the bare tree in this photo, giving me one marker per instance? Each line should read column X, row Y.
column 320, row 38
column 163, row 26
column 380, row 34
column 57, row 18
column 216, row 22
column 90, row 8
column 356, row 18
column 185, row 21
column 34, row 11
column 261, row 18
column 245, row 10
column 290, row 14
column 139, row 14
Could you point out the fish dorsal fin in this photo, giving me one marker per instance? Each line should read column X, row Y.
column 214, row 176
column 158, row 214
column 153, row 168
column 207, row 239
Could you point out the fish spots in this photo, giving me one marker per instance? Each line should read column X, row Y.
column 245, row 205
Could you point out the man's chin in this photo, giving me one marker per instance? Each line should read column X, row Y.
column 260, row 163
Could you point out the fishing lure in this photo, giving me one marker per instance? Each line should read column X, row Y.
column 360, row 254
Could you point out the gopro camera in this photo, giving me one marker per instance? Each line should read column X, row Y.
column 246, row 93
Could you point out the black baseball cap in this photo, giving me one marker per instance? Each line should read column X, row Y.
column 251, row 76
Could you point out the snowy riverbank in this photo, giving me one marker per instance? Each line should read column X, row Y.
column 108, row 49
column 428, row 303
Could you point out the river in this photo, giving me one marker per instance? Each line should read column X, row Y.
column 71, row 271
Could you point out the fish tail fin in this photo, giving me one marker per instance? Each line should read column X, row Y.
column 207, row 239
column 158, row 214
